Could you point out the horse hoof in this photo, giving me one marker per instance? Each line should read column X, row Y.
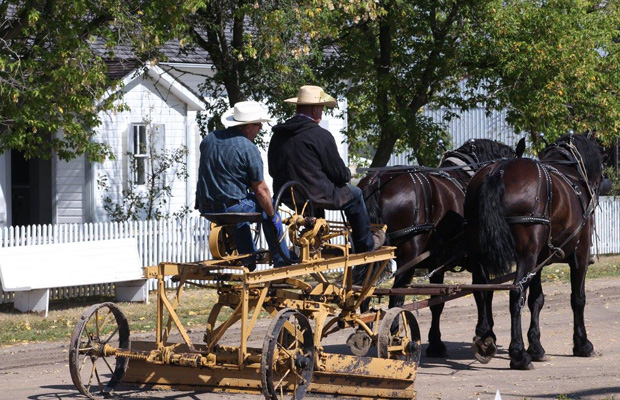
column 587, row 350
column 484, row 350
column 521, row 366
column 437, row 351
column 584, row 353
column 538, row 356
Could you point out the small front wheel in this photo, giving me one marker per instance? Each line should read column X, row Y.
column 399, row 336
column 95, row 369
column 287, row 363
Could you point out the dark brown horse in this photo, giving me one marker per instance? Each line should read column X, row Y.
column 533, row 213
column 422, row 208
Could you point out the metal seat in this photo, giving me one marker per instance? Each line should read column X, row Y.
column 233, row 218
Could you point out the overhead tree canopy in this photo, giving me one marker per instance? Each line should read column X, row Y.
column 553, row 65
column 50, row 76
column 413, row 55
column 261, row 50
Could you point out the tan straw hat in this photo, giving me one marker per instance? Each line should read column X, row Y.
column 244, row 113
column 312, row 95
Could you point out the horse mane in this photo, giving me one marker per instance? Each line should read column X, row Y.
column 588, row 149
column 486, row 149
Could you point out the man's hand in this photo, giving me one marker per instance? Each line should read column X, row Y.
column 277, row 222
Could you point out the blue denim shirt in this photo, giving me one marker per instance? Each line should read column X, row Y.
column 229, row 163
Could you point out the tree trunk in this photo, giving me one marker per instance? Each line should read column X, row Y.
column 384, row 150
column 382, row 65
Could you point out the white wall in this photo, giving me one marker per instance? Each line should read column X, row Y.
column 146, row 100
column 71, row 191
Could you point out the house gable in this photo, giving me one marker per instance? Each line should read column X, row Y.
column 154, row 98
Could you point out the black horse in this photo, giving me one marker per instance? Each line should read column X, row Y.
column 423, row 208
column 533, row 213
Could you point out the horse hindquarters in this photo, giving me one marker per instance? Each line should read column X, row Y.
column 491, row 197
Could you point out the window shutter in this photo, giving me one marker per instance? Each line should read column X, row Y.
column 158, row 136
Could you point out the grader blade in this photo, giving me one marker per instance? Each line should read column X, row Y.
column 367, row 377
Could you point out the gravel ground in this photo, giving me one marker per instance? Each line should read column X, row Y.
column 40, row 370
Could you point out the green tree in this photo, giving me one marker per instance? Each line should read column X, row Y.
column 265, row 50
column 389, row 59
column 553, row 65
column 413, row 55
column 52, row 77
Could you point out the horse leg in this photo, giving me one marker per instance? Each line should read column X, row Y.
column 582, row 347
column 536, row 300
column 519, row 358
column 483, row 346
column 436, row 347
column 400, row 281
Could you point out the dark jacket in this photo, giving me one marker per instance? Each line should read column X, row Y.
column 302, row 151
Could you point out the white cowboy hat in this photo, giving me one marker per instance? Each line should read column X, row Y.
column 312, row 95
column 244, row 113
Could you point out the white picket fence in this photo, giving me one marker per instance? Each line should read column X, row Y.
column 173, row 240
column 186, row 240
column 607, row 237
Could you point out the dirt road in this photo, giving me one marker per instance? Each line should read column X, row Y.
column 40, row 371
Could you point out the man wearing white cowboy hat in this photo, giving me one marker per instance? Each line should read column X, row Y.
column 230, row 177
column 303, row 151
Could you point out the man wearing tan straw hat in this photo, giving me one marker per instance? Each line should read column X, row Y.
column 230, row 178
column 303, row 151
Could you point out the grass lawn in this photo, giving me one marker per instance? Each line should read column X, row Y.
column 16, row 327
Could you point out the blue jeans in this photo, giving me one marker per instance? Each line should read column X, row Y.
column 357, row 215
column 242, row 233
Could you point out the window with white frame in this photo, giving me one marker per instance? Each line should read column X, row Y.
column 140, row 152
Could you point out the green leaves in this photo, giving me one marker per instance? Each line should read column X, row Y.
column 53, row 76
column 554, row 65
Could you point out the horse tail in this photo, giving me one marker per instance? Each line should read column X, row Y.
column 496, row 241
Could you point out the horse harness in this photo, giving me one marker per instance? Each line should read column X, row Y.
column 419, row 178
column 543, row 215
column 463, row 161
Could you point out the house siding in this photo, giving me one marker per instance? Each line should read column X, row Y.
column 472, row 124
column 147, row 101
column 192, row 76
column 5, row 192
column 70, row 192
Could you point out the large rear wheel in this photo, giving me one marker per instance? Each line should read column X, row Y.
column 297, row 212
column 95, row 369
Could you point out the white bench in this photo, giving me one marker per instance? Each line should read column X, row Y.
column 31, row 271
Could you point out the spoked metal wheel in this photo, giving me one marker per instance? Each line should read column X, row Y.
column 287, row 363
column 399, row 336
column 297, row 212
column 95, row 369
